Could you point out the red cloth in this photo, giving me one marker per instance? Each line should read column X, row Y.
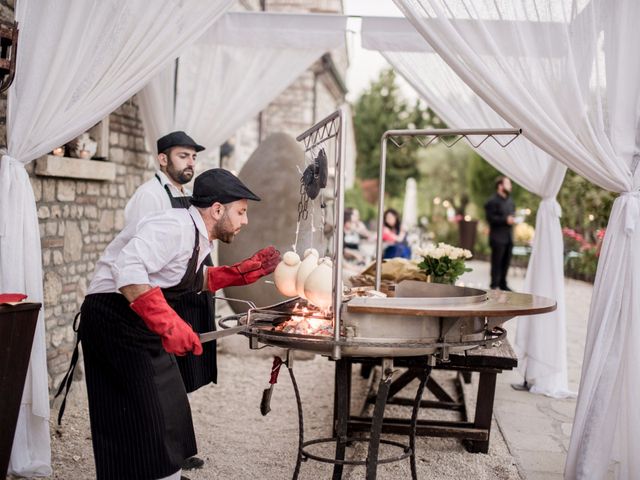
column 12, row 297
column 388, row 235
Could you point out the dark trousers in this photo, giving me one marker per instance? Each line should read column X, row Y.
column 500, row 259
column 141, row 425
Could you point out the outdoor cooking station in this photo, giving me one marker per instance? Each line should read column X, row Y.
column 418, row 319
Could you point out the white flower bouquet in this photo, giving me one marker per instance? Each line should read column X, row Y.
column 443, row 263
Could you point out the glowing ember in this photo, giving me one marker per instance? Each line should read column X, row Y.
column 306, row 321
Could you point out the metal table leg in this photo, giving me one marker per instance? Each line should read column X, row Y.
column 341, row 423
column 299, row 458
column 377, row 419
column 341, row 412
column 424, row 376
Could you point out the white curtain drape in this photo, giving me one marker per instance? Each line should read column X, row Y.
column 234, row 71
column 568, row 73
column 76, row 63
column 541, row 340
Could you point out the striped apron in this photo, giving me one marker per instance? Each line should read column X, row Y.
column 199, row 311
column 141, row 424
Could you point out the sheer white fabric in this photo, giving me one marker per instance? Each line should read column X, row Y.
column 83, row 60
column 157, row 105
column 574, row 88
column 234, row 71
column 540, row 340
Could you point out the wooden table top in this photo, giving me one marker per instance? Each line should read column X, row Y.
column 498, row 304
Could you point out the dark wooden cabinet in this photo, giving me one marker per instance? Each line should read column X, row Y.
column 17, row 327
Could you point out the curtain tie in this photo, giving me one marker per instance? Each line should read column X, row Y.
column 8, row 166
column 632, row 210
column 551, row 204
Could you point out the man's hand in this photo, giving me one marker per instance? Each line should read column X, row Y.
column 248, row 271
column 177, row 336
column 259, row 264
column 511, row 220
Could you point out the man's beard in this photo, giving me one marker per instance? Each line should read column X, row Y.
column 181, row 176
column 223, row 230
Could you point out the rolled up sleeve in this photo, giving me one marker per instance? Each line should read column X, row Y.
column 157, row 245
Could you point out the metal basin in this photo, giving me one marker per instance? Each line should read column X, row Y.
column 372, row 319
column 396, row 326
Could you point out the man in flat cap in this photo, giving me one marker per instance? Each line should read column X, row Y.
column 140, row 417
column 165, row 190
column 176, row 159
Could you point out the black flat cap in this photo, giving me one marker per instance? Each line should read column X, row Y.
column 219, row 185
column 177, row 139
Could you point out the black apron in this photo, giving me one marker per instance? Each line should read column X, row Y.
column 199, row 311
column 141, row 425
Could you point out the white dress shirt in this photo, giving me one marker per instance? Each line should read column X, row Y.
column 151, row 197
column 155, row 251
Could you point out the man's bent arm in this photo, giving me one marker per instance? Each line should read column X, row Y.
column 131, row 292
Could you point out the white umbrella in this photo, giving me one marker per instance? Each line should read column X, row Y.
column 410, row 208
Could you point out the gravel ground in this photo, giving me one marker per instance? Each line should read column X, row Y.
column 237, row 442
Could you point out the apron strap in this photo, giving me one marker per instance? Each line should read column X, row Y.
column 68, row 378
column 189, row 282
column 176, row 202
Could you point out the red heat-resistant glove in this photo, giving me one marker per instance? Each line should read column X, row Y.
column 177, row 336
column 245, row 272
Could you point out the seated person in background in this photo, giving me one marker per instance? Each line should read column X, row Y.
column 354, row 231
column 393, row 238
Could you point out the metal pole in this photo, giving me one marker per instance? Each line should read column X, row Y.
column 383, row 168
column 338, row 233
column 445, row 132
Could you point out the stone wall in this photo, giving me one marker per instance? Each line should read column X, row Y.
column 6, row 16
column 78, row 219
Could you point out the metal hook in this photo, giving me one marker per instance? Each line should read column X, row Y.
column 504, row 144
column 454, row 142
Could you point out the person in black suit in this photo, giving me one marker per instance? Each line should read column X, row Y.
column 500, row 211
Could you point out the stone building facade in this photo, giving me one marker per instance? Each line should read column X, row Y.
column 314, row 95
column 79, row 217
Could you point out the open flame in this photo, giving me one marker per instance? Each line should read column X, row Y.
column 307, row 321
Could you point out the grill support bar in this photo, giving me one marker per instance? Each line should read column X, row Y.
column 341, row 418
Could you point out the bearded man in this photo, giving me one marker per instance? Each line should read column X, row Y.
column 167, row 189
column 131, row 332
column 500, row 211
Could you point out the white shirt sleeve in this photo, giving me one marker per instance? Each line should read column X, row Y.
column 149, row 198
column 157, row 245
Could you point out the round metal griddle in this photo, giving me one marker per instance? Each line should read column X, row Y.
column 422, row 319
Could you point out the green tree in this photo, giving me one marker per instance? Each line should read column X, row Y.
column 444, row 173
column 379, row 109
column 585, row 206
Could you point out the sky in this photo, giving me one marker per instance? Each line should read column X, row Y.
column 365, row 65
